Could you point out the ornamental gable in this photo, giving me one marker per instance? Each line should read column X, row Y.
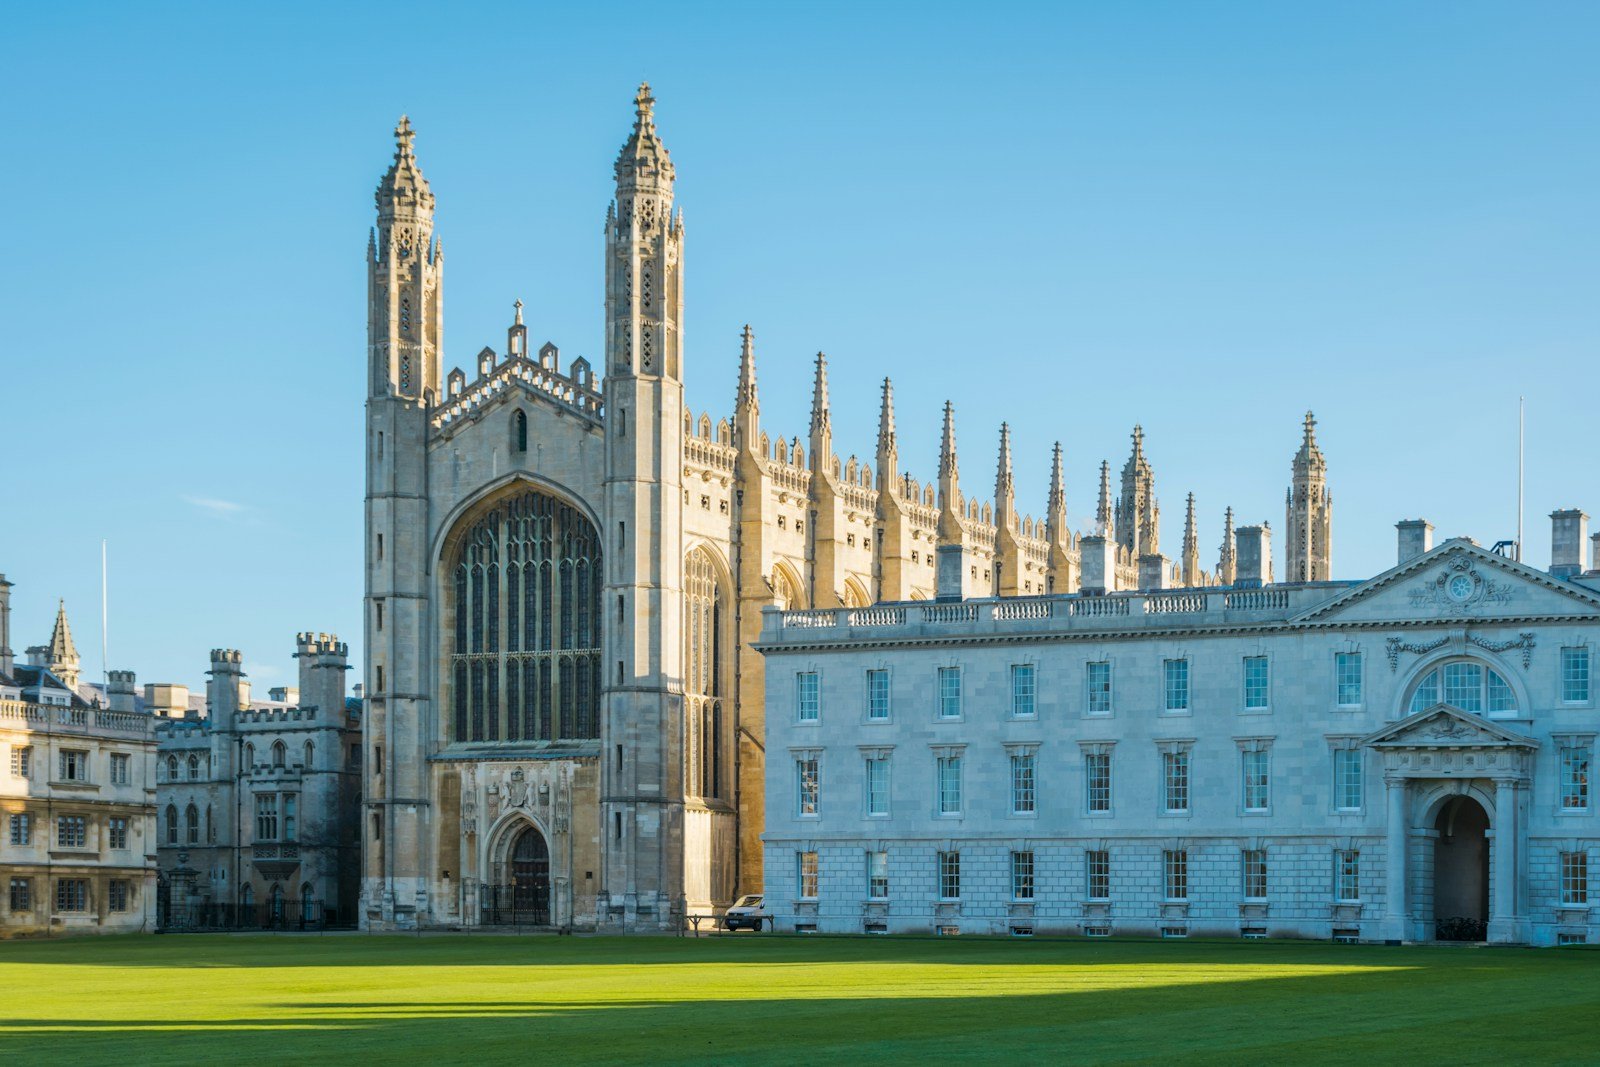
column 1457, row 583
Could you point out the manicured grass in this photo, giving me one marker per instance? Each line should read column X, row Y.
column 766, row 999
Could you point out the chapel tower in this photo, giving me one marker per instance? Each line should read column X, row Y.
column 405, row 266
column 1309, row 509
column 642, row 786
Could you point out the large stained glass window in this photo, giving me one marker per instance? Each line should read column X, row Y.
column 525, row 664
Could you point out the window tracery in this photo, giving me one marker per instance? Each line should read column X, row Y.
column 526, row 652
column 705, row 659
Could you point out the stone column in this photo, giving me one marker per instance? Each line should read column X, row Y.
column 1503, row 861
column 1394, row 921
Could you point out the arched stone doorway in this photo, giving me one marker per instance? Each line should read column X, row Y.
column 521, row 896
column 1461, row 871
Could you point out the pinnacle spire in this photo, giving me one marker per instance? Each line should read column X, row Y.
column 886, row 436
column 1189, row 539
column 1104, row 523
column 62, row 650
column 747, row 369
column 1004, row 487
column 821, row 416
column 1227, row 558
column 947, row 443
column 1056, row 506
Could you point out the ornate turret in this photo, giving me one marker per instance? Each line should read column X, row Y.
column 644, row 256
column 64, row 662
column 644, row 166
column 405, row 266
column 1309, row 512
column 1138, row 514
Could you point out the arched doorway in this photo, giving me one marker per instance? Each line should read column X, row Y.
column 530, row 876
column 1461, row 871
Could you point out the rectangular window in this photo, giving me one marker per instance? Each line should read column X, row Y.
column 1022, row 690
column 877, row 785
column 808, row 786
column 1463, row 686
column 1575, row 760
column 1347, row 787
column 1347, row 679
column 1022, row 783
column 267, row 817
column 1254, row 861
column 877, row 876
column 117, row 833
column 74, row 765
column 1257, row 774
column 1097, row 781
column 1176, row 675
column 1175, row 782
column 72, row 831
column 21, row 828
column 117, row 895
column 949, row 692
column 806, row 874
column 878, row 695
column 949, row 774
column 21, row 894
column 22, row 761
column 949, row 876
column 1098, row 675
column 119, row 768
column 1175, row 873
column 1022, row 875
column 1256, row 678
column 72, row 894
column 1097, row 871
column 1346, row 875
column 1575, row 878
column 1575, row 675
column 808, row 696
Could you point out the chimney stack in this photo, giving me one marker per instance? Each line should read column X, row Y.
column 1098, row 559
column 7, row 661
column 1569, row 529
column 119, row 690
column 1594, row 554
column 1416, row 538
column 1155, row 572
column 1254, row 556
column 950, row 572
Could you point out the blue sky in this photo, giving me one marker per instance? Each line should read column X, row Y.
column 1203, row 217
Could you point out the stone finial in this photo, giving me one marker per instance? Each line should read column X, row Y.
column 403, row 189
column 1227, row 556
column 947, row 443
column 1004, row 486
column 821, row 416
column 747, row 397
column 1056, row 506
column 517, row 321
column 1104, row 519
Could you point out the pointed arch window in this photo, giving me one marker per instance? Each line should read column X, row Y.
column 706, row 655
column 172, row 824
column 525, row 662
column 280, row 755
column 194, row 768
column 191, row 822
column 519, row 431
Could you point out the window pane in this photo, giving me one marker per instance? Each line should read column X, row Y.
column 1177, row 684
column 1099, row 680
column 1255, row 682
column 877, row 694
column 1347, row 673
column 1575, row 675
column 1022, row 689
column 949, row 692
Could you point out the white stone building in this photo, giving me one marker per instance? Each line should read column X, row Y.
column 77, row 792
column 1403, row 758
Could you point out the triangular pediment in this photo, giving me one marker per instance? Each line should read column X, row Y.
column 1458, row 582
column 1444, row 726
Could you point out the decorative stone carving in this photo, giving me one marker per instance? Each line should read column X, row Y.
column 1523, row 641
column 1394, row 646
column 1459, row 588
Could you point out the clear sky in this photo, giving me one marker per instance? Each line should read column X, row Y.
column 1202, row 217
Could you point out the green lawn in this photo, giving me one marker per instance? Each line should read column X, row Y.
column 767, row 999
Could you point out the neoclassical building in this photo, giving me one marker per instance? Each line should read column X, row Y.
column 566, row 571
column 1403, row 758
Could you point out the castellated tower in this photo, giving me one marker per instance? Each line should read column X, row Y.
column 1309, row 512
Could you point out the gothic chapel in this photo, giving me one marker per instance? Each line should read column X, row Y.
column 565, row 575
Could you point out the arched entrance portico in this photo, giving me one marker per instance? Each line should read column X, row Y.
column 1456, row 786
column 1461, row 870
column 521, row 894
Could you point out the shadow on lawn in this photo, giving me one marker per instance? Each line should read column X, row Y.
column 1377, row 1016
